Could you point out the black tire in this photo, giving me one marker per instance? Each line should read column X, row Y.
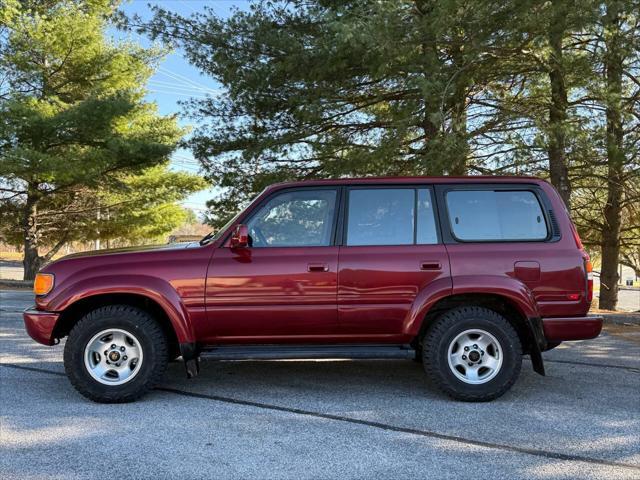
column 435, row 353
column 130, row 319
column 418, row 356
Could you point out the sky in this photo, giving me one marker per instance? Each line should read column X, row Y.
column 177, row 80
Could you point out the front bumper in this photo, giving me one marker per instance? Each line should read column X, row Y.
column 40, row 324
column 571, row 328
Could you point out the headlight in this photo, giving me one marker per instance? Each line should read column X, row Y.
column 43, row 283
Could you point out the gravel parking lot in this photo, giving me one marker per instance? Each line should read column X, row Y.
column 322, row 419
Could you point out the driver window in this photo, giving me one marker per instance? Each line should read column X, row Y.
column 302, row 218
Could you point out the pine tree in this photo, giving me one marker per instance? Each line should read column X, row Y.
column 74, row 121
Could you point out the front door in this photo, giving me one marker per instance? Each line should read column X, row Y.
column 282, row 287
column 391, row 252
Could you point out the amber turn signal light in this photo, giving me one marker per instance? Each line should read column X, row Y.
column 588, row 266
column 43, row 283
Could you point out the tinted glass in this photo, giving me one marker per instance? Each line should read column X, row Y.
column 496, row 215
column 381, row 216
column 426, row 231
column 295, row 219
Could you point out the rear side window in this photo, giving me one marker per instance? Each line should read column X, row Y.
column 426, row 232
column 391, row 216
column 485, row 215
column 381, row 216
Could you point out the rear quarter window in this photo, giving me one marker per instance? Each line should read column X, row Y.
column 496, row 215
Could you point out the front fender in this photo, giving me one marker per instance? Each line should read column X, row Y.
column 156, row 289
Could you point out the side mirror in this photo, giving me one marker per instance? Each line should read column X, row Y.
column 240, row 237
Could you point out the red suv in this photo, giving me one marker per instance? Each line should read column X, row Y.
column 464, row 274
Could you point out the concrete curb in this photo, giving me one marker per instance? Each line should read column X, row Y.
column 630, row 318
column 16, row 284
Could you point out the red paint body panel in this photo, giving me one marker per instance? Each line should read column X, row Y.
column 560, row 267
column 173, row 277
column 572, row 328
column 264, row 292
column 213, row 294
column 378, row 285
column 39, row 325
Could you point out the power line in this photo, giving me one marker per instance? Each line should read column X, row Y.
column 186, row 80
column 177, row 86
column 177, row 94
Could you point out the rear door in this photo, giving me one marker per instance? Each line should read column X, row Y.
column 391, row 250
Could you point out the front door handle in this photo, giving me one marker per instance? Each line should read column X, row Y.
column 430, row 265
column 318, row 267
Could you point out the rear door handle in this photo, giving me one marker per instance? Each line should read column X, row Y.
column 318, row 267
column 430, row 265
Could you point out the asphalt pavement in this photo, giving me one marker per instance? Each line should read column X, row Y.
column 322, row 419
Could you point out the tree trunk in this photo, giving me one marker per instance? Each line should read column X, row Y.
column 430, row 166
column 31, row 260
column 615, row 160
column 459, row 128
column 556, row 150
column 431, row 152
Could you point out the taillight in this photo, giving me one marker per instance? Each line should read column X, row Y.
column 576, row 237
column 588, row 267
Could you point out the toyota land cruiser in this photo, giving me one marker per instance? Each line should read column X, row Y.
column 465, row 274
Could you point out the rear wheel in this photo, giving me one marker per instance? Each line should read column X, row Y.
column 472, row 354
column 115, row 354
column 418, row 355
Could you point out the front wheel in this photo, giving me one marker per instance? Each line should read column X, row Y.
column 472, row 354
column 115, row 354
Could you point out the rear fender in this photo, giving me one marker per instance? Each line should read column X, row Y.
column 429, row 296
column 510, row 288
column 515, row 292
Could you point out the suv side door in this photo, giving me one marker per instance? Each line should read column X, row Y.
column 391, row 250
column 284, row 284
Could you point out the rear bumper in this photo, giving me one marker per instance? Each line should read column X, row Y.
column 40, row 325
column 571, row 328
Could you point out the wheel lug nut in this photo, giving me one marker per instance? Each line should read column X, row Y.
column 471, row 364
column 481, row 353
column 124, row 358
column 464, row 357
column 466, row 349
column 106, row 352
column 122, row 349
column 475, row 346
column 113, row 345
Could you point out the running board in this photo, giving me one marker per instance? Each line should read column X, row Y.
column 288, row 352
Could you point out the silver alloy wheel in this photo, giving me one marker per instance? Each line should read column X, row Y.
column 113, row 356
column 475, row 356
